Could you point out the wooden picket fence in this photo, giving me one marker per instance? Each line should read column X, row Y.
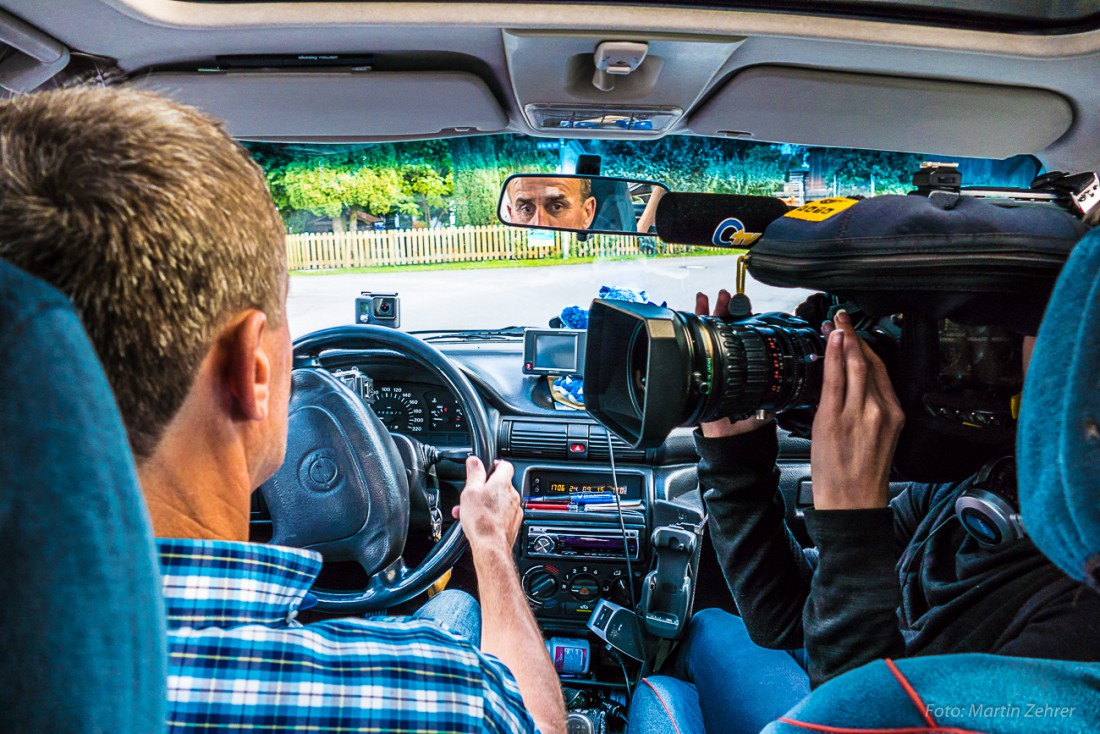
column 369, row 248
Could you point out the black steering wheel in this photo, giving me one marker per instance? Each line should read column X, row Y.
column 343, row 489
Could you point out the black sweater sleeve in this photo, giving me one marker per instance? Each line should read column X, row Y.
column 764, row 565
column 851, row 617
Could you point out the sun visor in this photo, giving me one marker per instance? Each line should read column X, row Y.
column 303, row 105
column 840, row 109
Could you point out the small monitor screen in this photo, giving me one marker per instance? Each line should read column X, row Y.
column 553, row 351
column 556, row 351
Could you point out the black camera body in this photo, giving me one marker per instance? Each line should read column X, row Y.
column 381, row 309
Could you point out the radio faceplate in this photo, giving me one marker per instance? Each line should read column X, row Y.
column 580, row 541
column 566, row 567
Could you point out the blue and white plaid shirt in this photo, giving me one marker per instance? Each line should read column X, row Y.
column 238, row 660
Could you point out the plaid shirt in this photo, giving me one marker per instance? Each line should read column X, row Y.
column 238, row 660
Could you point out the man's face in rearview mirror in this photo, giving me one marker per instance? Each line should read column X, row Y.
column 565, row 203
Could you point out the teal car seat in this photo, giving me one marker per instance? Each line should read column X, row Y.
column 82, row 635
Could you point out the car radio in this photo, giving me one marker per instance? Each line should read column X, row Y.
column 580, row 542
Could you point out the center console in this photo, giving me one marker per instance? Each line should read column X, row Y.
column 573, row 545
column 588, row 537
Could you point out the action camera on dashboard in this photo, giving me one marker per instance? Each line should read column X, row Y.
column 380, row 309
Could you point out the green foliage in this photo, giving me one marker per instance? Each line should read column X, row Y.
column 854, row 170
column 435, row 180
column 481, row 165
column 699, row 164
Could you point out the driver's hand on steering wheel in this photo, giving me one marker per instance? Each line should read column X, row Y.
column 490, row 508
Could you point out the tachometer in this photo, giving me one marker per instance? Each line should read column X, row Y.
column 400, row 409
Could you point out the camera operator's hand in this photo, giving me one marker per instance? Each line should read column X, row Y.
column 857, row 425
column 724, row 426
column 490, row 509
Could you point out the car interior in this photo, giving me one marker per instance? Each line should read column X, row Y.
column 982, row 79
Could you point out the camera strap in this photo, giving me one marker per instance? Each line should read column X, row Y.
column 740, row 306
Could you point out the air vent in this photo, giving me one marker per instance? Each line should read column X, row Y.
column 538, row 440
column 574, row 441
column 597, row 448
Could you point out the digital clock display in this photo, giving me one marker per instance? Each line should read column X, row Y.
column 549, row 483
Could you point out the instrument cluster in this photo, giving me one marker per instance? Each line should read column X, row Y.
column 429, row 413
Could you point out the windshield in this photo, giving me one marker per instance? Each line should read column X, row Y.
column 418, row 220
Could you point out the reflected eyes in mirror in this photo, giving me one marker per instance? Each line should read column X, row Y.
column 550, row 202
column 579, row 203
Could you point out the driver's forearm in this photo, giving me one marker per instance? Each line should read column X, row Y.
column 509, row 632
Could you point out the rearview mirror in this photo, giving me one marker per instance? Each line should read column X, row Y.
column 571, row 203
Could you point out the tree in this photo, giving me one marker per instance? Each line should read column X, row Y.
column 429, row 189
column 340, row 185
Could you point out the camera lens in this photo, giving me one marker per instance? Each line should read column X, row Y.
column 649, row 369
column 384, row 307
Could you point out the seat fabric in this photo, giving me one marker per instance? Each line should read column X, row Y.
column 82, row 635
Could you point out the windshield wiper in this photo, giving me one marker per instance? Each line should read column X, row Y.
column 506, row 333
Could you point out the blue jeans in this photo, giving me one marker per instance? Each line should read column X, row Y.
column 724, row 684
column 455, row 611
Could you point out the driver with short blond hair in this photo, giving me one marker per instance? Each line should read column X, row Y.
column 161, row 230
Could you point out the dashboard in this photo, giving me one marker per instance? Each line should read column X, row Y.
column 569, row 555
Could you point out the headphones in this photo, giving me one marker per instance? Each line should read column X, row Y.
column 989, row 508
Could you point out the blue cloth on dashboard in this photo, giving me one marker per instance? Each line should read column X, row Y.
column 575, row 317
column 1058, row 441
column 82, row 624
column 571, row 387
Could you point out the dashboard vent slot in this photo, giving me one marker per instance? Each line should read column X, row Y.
column 597, row 447
column 539, row 440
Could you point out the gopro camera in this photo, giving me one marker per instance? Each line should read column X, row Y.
column 381, row 309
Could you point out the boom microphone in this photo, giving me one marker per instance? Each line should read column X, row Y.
column 718, row 220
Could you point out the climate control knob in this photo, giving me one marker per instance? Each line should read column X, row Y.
column 584, row 587
column 539, row 584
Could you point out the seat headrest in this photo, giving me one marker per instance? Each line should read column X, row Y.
column 1058, row 443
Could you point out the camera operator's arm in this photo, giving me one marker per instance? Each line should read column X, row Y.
column 851, row 615
column 765, row 567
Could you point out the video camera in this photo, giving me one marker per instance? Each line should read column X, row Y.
column 947, row 284
column 649, row 369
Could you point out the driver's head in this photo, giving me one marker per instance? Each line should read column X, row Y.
column 539, row 201
column 161, row 230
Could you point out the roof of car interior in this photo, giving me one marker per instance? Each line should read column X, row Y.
column 1015, row 92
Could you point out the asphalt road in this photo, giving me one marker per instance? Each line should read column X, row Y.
column 531, row 296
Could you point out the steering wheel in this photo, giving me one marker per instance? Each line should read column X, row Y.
column 343, row 489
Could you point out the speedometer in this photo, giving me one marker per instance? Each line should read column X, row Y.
column 400, row 409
